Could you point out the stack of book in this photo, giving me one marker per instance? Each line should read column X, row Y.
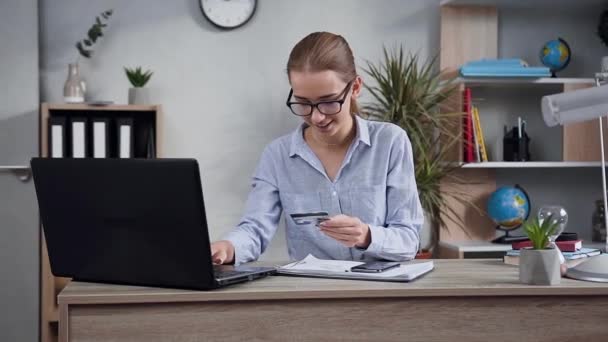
column 509, row 67
column 474, row 142
column 573, row 251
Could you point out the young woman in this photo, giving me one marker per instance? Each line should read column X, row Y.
column 360, row 172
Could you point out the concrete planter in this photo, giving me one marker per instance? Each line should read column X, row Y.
column 539, row 267
column 139, row 96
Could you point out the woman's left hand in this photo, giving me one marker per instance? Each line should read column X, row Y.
column 347, row 230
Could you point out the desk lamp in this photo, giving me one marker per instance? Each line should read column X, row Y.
column 575, row 106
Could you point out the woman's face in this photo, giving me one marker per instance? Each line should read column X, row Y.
column 326, row 87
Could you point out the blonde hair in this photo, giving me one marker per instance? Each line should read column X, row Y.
column 321, row 51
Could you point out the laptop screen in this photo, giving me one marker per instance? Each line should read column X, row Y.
column 128, row 221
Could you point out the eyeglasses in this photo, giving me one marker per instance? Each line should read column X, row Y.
column 330, row 107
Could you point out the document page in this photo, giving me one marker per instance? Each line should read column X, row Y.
column 311, row 266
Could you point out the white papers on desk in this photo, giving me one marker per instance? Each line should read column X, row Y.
column 313, row 267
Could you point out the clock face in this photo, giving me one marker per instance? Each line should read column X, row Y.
column 228, row 14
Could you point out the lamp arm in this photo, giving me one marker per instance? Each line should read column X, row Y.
column 597, row 83
column 604, row 182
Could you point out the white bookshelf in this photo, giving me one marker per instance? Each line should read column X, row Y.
column 530, row 164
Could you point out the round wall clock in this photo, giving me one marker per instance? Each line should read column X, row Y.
column 228, row 14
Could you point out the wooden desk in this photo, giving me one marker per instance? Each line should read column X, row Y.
column 461, row 300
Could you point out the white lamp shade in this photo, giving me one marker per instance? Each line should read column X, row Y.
column 575, row 106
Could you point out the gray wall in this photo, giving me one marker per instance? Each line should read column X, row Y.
column 223, row 91
column 19, row 237
column 522, row 31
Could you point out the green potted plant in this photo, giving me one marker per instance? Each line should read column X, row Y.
column 540, row 264
column 74, row 89
column 410, row 93
column 138, row 79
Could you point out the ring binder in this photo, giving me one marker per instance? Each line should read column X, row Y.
column 79, row 138
column 125, row 137
column 57, row 137
column 101, row 139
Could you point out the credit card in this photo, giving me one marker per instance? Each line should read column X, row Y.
column 314, row 218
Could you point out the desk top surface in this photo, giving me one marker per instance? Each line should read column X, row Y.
column 451, row 277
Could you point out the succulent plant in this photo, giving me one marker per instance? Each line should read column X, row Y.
column 539, row 232
column 137, row 77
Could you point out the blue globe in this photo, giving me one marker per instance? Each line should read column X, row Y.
column 509, row 207
column 555, row 55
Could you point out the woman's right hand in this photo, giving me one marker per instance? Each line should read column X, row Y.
column 222, row 252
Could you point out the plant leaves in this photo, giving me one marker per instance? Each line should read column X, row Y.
column 83, row 52
column 410, row 93
column 92, row 34
column 137, row 77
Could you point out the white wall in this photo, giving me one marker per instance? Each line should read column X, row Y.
column 522, row 31
column 223, row 91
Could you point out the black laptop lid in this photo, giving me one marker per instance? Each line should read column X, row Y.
column 128, row 221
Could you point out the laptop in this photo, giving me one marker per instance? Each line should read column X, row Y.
column 130, row 221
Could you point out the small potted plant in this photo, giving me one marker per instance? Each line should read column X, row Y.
column 540, row 264
column 138, row 78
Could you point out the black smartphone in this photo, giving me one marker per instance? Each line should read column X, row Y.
column 375, row 266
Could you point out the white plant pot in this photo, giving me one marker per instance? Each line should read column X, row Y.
column 139, row 96
column 539, row 267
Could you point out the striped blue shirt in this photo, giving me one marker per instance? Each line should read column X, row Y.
column 375, row 183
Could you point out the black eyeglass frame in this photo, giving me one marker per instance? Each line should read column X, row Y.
column 344, row 94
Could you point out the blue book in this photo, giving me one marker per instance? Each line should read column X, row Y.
column 516, row 62
column 502, row 68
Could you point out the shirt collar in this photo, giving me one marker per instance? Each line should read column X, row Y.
column 298, row 143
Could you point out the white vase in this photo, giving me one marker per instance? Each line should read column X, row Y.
column 539, row 266
column 74, row 88
column 139, row 96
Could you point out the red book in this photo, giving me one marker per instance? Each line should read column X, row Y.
column 564, row 246
column 467, row 127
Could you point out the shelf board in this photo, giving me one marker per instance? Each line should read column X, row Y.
column 526, row 4
column 531, row 164
column 475, row 246
column 521, row 81
column 487, row 246
column 111, row 107
column 14, row 167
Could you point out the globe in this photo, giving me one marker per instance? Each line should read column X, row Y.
column 555, row 55
column 509, row 207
